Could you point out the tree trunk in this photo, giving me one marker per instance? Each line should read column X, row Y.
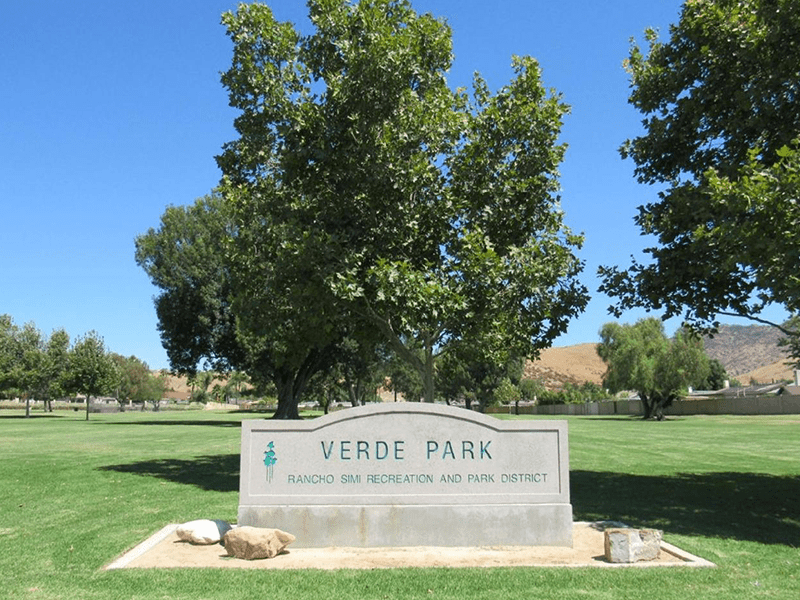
column 27, row 407
column 87, row 407
column 654, row 405
column 648, row 406
column 291, row 384
column 427, row 376
column 354, row 391
column 287, row 402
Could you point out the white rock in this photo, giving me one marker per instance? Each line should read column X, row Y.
column 203, row 531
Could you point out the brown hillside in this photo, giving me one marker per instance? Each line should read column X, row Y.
column 745, row 348
column 178, row 387
column 777, row 371
column 571, row 364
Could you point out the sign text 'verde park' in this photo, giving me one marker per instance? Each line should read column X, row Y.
column 396, row 450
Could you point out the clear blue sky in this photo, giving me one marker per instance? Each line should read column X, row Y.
column 111, row 111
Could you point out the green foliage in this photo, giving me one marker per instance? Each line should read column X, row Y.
column 791, row 343
column 405, row 380
column 32, row 366
column 506, row 392
column 55, row 368
column 640, row 357
column 468, row 374
column 22, row 359
column 362, row 187
column 185, row 259
column 717, row 376
column 531, row 390
column 722, row 118
column 221, row 309
column 47, row 368
column 92, row 371
column 572, row 393
column 136, row 384
column 200, row 384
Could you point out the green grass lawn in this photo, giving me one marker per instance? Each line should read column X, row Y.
column 76, row 494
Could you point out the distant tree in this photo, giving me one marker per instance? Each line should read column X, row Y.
column 722, row 121
column 234, row 385
column 136, row 383
column 453, row 381
column 717, row 376
column 22, row 359
column 592, row 392
column 640, row 357
column 469, row 373
column 92, row 371
column 791, row 343
column 403, row 379
column 31, row 365
column 7, row 352
column 54, row 369
column 531, row 389
column 572, row 393
column 200, row 383
column 507, row 393
column 326, row 390
column 360, row 367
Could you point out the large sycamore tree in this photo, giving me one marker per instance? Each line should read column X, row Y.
column 365, row 190
column 721, row 100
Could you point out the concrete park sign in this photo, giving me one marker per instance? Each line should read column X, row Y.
column 408, row 474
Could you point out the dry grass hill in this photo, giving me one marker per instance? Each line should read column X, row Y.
column 745, row 348
column 570, row 364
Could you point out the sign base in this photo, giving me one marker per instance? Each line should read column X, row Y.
column 433, row 525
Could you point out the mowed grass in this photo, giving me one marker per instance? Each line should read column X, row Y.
column 75, row 494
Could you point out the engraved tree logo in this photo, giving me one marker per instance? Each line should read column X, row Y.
column 269, row 460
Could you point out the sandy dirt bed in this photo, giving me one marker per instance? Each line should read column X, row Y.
column 167, row 551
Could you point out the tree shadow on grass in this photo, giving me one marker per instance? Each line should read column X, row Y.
column 212, row 473
column 744, row 506
column 34, row 416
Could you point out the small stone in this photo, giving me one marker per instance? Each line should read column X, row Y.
column 203, row 531
column 252, row 543
column 623, row 545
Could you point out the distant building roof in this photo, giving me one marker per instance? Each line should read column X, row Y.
column 740, row 392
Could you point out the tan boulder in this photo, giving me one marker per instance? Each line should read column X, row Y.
column 252, row 543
